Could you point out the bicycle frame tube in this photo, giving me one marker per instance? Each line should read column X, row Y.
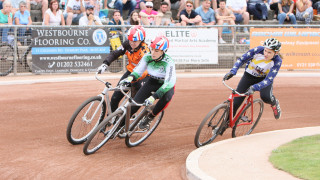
column 231, row 99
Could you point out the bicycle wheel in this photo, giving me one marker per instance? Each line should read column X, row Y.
column 27, row 59
column 101, row 134
column 211, row 125
column 85, row 119
column 248, row 119
column 137, row 136
column 6, row 59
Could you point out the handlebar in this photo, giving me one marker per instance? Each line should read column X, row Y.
column 233, row 90
column 121, row 87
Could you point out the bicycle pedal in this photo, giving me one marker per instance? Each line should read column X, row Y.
column 245, row 119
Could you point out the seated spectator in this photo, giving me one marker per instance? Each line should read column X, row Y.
column 206, row 13
column 142, row 4
column 274, row 6
column 224, row 15
column 5, row 19
column 74, row 11
column 150, row 16
column 176, row 5
column 286, row 11
column 134, row 18
column 116, row 20
column 96, row 5
column 166, row 18
column 239, row 9
column 188, row 16
column 22, row 17
column 316, row 6
column 125, row 5
column 53, row 16
column 258, row 9
column 15, row 5
column 304, row 11
column 89, row 18
column 37, row 8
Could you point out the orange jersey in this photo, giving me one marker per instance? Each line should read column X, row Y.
column 135, row 56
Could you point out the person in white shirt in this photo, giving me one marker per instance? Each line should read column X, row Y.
column 239, row 9
column 74, row 11
column 90, row 18
column 53, row 15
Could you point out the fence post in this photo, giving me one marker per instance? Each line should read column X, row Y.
column 234, row 44
column 15, row 50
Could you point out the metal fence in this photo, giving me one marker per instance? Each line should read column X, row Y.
column 20, row 39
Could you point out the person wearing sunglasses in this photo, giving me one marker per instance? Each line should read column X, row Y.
column 188, row 17
column 150, row 16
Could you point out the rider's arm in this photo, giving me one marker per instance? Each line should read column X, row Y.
column 169, row 81
column 245, row 58
column 140, row 68
column 114, row 55
column 271, row 75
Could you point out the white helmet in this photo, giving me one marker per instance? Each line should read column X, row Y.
column 272, row 43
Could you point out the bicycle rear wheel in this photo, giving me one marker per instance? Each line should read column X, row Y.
column 85, row 119
column 6, row 59
column 248, row 119
column 137, row 136
column 27, row 59
column 101, row 134
column 211, row 125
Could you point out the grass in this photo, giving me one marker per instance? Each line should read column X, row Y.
column 301, row 157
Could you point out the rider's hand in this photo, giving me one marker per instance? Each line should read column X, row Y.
column 228, row 76
column 149, row 101
column 126, row 81
column 250, row 91
column 102, row 68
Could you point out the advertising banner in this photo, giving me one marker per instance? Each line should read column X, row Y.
column 300, row 46
column 189, row 46
column 68, row 50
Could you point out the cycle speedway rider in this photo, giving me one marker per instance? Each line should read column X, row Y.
column 263, row 64
column 161, row 79
column 135, row 48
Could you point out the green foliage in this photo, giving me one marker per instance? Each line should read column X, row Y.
column 301, row 157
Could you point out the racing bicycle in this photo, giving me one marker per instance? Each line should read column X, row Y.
column 217, row 120
column 111, row 127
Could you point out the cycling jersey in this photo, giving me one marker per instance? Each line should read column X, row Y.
column 164, row 71
column 133, row 56
column 258, row 66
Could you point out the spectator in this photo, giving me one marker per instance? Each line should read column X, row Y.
column 5, row 19
column 74, row 11
column 258, row 9
column 188, row 16
column 116, row 20
column 22, row 17
column 286, row 11
column 274, row 6
column 206, row 13
column 239, row 9
column 142, row 4
column 224, row 15
column 316, row 6
column 53, row 16
column 176, row 5
column 166, row 14
column 96, row 5
column 304, row 11
column 89, row 18
column 125, row 5
column 150, row 16
column 214, row 5
column 15, row 5
column 134, row 18
column 38, row 7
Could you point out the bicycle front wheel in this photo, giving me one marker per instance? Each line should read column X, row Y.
column 85, row 119
column 248, row 119
column 6, row 59
column 103, row 133
column 137, row 136
column 211, row 125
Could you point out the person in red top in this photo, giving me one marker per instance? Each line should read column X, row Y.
column 135, row 48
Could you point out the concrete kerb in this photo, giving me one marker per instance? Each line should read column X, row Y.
column 244, row 157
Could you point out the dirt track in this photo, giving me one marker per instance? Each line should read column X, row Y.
column 34, row 118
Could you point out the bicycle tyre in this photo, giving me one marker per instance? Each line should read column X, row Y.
column 242, row 127
column 211, row 125
column 27, row 59
column 84, row 127
column 138, row 137
column 6, row 59
column 98, row 138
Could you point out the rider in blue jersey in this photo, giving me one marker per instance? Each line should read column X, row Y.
column 263, row 65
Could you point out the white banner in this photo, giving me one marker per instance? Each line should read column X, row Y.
column 189, row 46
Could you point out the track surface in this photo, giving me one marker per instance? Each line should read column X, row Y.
column 34, row 118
